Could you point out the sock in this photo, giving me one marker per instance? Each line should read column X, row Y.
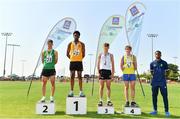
column 100, row 99
column 43, row 97
column 71, row 91
column 108, row 99
column 132, row 100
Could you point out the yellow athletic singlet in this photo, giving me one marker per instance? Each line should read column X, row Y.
column 76, row 52
column 128, row 62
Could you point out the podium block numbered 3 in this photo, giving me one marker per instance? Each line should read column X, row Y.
column 45, row 108
column 105, row 110
column 76, row 105
column 132, row 110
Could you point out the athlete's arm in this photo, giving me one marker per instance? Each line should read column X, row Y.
column 83, row 50
column 56, row 57
column 98, row 63
column 122, row 63
column 112, row 61
column 68, row 50
column 151, row 68
column 42, row 57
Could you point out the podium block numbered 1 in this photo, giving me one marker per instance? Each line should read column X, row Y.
column 105, row 110
column 76, row 105
column 45, row 108
column 132, row 110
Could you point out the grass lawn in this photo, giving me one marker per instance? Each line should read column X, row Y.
column 14, row 104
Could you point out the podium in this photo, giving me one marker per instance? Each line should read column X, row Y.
column 76, row 105
column 132, row 110
column 45, row 108
column 105, row 110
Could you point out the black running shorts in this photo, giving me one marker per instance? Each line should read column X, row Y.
column 48, row 72
column 105, row 74
column 76, row 66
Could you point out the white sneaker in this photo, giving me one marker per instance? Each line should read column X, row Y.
column 43, row 99
column 71, row 94
column 81, row 94
column 51, row 99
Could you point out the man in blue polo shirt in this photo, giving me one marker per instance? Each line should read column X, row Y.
column 159, row 71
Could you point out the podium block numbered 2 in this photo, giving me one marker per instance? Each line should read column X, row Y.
column 76, row 105
column 45, row 108
column 105, row 110
column 132, row 110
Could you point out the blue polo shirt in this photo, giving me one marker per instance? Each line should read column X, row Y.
column 159, row 68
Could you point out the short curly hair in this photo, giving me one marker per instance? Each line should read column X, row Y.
column 77, row 32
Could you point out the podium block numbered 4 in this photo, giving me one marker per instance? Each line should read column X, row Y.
column 105, row 110
column 45, row 108
column 132, row 110
column 76, row 105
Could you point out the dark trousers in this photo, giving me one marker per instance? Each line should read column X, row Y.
column 164, row 93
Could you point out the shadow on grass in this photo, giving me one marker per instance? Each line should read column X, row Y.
column 60, row 113
column 93, row 114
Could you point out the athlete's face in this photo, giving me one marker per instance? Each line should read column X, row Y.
column 128, row 50
column 106, row 48
column 50, row 45
column 158, row 55
column 76, row 36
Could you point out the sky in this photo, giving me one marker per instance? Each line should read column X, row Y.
column 31, row 20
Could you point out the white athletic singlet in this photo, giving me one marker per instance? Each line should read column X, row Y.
column 105, row 61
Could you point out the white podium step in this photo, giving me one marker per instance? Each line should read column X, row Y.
column 76, row 105
column 45, row 108
column 132, row 110
column 105, row 110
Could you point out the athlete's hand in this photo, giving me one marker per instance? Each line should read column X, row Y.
column 99, row 76
column 112, row 76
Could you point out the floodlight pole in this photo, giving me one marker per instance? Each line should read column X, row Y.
column 6, row 34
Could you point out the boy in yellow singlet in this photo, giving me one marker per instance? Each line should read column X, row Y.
column 76, row 53
column 128, row 67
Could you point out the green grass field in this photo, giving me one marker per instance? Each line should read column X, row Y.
column 14, row 104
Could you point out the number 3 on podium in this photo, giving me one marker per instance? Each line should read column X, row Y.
column 106, row 110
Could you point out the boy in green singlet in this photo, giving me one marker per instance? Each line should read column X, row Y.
column 49, row 59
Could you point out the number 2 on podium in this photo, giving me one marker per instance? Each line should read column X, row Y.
column 76, row 103
column 45, row 110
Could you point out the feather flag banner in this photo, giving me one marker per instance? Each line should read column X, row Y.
column 133, row 24
column 110, row 30
column 60, row 32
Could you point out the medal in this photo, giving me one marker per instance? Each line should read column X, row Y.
column 76, row 52
column 128, row 62
column 105, row 59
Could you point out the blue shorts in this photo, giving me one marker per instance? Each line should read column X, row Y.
column 129, row 77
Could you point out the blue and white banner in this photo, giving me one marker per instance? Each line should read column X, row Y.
column 133, row 24
column 60, row 32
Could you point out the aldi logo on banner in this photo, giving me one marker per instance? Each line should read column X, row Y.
column 134, row 11
column 67, row 24
column 115, row 21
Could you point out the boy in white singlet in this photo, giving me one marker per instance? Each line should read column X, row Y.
column 106, row 73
